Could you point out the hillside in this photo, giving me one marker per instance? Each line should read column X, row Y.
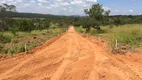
column 28, row 15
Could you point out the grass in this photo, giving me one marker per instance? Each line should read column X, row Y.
column 126, row 35
column 11, row 44
column 80, row 29
column 130, row 35
column 20, row 47
column 4, row 38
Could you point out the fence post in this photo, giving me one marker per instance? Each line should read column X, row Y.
column 25, row 48
column 116, row 44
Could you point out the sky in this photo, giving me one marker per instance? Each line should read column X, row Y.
column 76, row 7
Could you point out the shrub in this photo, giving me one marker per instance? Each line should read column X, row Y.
column 5, row 39
column 80, row 29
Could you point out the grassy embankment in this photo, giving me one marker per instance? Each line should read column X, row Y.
column 128, row 37
column 11, row 44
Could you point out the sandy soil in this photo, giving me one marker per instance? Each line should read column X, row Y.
column 72, row 57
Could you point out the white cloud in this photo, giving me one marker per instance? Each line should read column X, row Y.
column 32, row 1
column 42, row 1
column 116, row 10
column 54, row 5
column 11, row 1
column 59, row 0
column 40, row 4
column 19, row 0
column 64, row 4
column 26, row 4
column 77, row 2
column 131, row 11
column 48, row 7
column 65, row 9
column 91, row 0
column 106, row 8
column 60, row 7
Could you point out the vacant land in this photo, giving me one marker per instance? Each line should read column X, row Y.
column 127, row 36
column 72, row 57
column 11, row 44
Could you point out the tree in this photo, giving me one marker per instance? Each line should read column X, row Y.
column 6, row 22
column 2, row 9
column 12, row 8
column 96, row 12
column 25, row 25
column 96, row 15
column 117, row 22
column 43, row 25
column 5, row 7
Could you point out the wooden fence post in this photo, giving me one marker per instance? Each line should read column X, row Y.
column 25, row 48
column 116, row 44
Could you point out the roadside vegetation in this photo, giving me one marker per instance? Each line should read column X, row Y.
column 11, row 44
column 17, row 30
column 122, row 33
column 128, row 36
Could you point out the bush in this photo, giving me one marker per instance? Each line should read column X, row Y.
column 12, row 49
column 94, row 32
column 80, row 29
column 4, row 39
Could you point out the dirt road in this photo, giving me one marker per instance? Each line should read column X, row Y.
column 71, row 57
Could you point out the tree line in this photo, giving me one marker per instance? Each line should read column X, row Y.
column 10, row 20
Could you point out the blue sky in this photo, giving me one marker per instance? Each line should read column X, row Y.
column 76, row 7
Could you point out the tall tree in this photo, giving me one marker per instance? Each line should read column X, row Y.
column 96, row 15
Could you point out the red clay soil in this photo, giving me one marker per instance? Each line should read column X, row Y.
column 72, row 57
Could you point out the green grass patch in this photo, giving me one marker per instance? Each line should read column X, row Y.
column 126, row 34
column 11, row 44
column 130, row 34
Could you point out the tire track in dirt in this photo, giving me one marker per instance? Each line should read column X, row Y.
column 60, row 70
